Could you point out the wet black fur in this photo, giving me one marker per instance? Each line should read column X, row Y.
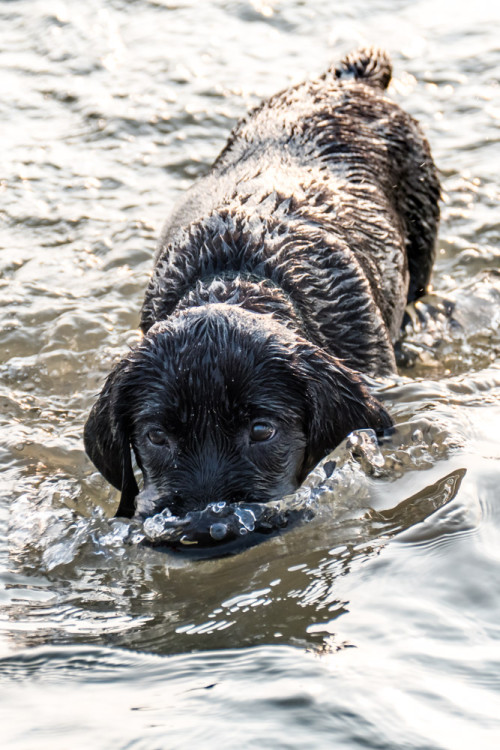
column 281, row 277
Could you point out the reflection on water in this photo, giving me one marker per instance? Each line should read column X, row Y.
column 376, row 624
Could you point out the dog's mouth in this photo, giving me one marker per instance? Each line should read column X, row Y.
column 222, row 525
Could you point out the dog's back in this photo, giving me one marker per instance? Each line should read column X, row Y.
column 280, row 280
column 326, row 192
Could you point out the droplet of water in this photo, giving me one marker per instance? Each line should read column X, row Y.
column 246, row 518
column 218, row 531
column 155, row 526
column 217, row 507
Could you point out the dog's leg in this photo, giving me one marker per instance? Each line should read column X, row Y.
column 426, row 324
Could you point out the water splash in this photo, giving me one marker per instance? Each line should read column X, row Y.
column 338, row 483
column 45, row 532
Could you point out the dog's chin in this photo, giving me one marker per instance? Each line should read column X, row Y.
column 224, row 527
column 150, row 502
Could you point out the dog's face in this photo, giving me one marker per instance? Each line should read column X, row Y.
column 221, row 404
column 217, row 417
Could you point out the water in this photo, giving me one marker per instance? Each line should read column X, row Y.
column 376, row 625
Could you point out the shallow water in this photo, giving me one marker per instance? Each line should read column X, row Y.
column 377, row 624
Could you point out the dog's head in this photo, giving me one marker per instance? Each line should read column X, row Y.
column 221, row 404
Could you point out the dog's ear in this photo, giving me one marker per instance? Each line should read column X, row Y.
column 106, row 439
column 338, row 401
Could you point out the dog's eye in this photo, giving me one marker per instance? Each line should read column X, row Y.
column 157, row 437
column 261, row 431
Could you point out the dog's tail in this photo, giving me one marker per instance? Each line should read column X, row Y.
column 369, row 65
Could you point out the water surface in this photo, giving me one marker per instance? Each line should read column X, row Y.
column 377, row 625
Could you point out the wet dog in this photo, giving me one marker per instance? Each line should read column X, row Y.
column 280, row 280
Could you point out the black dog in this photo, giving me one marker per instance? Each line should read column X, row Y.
column 281, row 277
